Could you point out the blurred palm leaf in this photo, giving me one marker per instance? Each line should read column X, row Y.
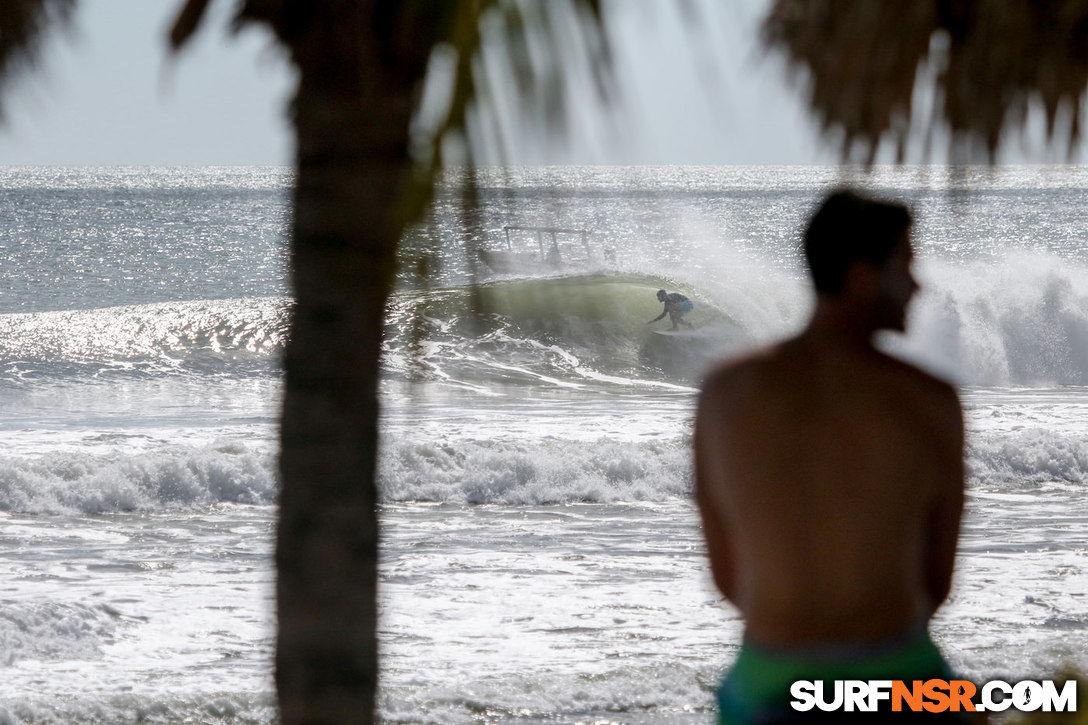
column 23, row 25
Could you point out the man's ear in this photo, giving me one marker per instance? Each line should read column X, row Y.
column 862, row 280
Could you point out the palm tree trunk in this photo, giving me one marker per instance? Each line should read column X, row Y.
column 353, row 162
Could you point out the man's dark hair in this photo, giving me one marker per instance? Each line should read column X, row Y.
column 848, row 228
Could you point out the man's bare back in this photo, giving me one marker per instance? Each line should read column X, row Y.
column 829, row 477
column 830, row 482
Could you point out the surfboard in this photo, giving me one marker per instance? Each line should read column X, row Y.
column 678, row 333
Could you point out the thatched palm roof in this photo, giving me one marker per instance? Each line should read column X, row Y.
column 993, row 59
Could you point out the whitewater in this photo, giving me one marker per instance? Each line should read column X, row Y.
column 541, row 557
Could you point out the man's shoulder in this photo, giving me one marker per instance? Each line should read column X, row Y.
column 935, row 402
column 745, row 374
column 918, row 381
column 748, row 363
column 790, row 370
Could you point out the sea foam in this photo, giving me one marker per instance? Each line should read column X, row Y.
column 179, row 477
column 473, row 471
column 1025, row 459
column 1018, row 321
column 53, row 631
column 546, row 471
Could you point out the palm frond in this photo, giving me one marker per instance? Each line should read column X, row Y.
column 23, row 26
column 187, row 22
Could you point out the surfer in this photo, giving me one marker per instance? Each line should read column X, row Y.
column 830, row 480
column 676, row 306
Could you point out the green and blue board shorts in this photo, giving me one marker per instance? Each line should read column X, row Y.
column 757, row 687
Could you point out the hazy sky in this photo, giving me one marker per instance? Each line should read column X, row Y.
column 108, row 93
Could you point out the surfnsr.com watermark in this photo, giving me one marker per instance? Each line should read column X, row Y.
column 933, row 696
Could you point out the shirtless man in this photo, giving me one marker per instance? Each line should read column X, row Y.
column 830, row 479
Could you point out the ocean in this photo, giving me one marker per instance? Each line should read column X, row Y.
column 541, row 560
